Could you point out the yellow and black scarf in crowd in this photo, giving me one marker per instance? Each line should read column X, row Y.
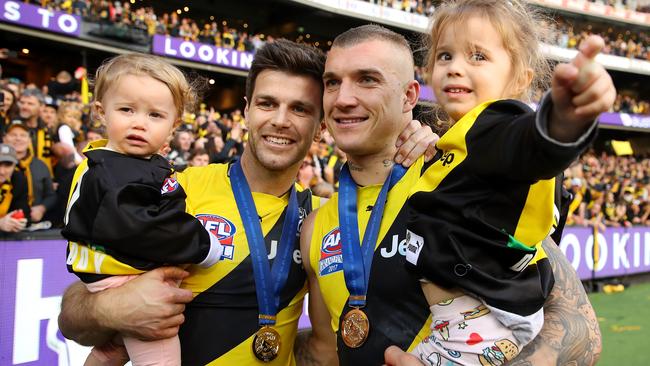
column 43, row 148
column 5, row 197
column 24, row 165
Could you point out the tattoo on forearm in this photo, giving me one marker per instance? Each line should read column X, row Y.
column 571, row 335
column 302, row 352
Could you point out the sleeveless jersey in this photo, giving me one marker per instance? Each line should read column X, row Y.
column 396, row 307
column 223, row 317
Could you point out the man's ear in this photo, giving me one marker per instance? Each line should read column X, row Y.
column 97, row 110
column 412, row 94
column 246, row 113
column 319, row 131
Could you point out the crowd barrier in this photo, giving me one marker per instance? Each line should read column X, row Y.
column 33, row 277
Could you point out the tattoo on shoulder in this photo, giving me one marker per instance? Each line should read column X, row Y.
column 571, row 335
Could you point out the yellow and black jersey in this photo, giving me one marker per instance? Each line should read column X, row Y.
column 223, row 317
column 125, row 216
column 480, row 211
column 396, row 307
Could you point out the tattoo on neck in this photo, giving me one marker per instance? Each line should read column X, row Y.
column 354, row 167
column 388, row 163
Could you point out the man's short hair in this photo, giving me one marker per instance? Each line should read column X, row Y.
column 289, row 57
column 370, row 32
column 34, row 93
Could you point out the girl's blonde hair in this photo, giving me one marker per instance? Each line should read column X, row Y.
column 522, row 30
column 138, row 64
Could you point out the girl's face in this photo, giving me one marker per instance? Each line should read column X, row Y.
column 471, row 66
column 139, row 113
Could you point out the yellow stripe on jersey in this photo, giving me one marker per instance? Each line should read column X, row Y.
column 537, row 217
column 83, row 259
column 454, row 148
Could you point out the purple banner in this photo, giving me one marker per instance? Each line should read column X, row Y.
column 426, row 94
column 21, row 13
column 621, row 251
column 200, row 52
column 33, row 277
column 625, row 120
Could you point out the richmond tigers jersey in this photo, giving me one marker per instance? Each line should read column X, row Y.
column 223, row 317
column 125, row 215
column 396, row 307
column 479, row 211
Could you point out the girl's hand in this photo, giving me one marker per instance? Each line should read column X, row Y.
column 581, row 90
column 415, row 140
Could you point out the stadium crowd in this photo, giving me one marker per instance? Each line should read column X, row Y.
column 609, row 191
column 59, row 126
column 426, row 7
column 568, row 33
column 48, row 127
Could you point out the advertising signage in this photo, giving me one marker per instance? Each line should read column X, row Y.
column 32, row 16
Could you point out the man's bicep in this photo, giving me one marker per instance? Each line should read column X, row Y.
column 571, row 334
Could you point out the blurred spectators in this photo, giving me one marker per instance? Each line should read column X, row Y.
column 609, row 190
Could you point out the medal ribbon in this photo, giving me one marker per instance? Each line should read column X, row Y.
column 268, row 281
column 357, row 257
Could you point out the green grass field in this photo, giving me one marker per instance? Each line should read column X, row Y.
column 625, row 323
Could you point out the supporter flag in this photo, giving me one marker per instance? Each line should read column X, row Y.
column 81, row 74
column 622, row 148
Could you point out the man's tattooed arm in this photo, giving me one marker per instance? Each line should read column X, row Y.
column 570, row 335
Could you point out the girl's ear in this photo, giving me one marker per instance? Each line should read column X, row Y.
column 523, row 81
column 97, row 110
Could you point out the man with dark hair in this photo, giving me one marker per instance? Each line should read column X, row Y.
column 240, row 313
column 367, row 297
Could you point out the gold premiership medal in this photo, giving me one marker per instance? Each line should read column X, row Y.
column 266, row 344
column 355, row 328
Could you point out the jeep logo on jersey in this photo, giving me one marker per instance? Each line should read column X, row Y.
column 223, row 229
column 169, row 186
column 331, row 255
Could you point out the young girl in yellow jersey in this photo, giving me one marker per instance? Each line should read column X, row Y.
column 482, row 209
column 126, row 213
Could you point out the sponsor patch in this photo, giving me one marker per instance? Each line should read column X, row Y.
column 169, row 186
column 223, row 229
column 331, row 254
column 414, row 244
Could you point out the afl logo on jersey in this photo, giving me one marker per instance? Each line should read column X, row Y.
column 331, row 255
column 223, row 229
column 169, row 186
